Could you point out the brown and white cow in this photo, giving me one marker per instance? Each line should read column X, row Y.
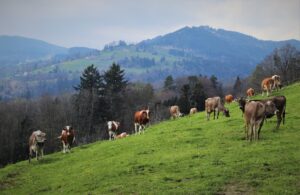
column 141, row 119
column 214, row 104
column 193, row 111
column 250, row 92
column 255, row 114
column 267, row 85
column 280, row 103
column 112, row 127
column 67, row 138
column 228, row 98
column 36, row 144
column 175, row 112
column 277, row 82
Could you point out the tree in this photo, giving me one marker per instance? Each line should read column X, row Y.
column 169, row 83
column 237, row 87
column 184, row 100
column 214, row 81
column 115, row 85
column 90, row 103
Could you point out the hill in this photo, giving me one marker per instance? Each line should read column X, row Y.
column 190, row 50
column 185, row 156
column 15, row 50
column 187, row 51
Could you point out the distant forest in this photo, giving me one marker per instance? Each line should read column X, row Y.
column 97, row 97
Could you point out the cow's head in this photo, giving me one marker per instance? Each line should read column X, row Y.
column 271, row 109
column 147, row 113
column 40, row 137
column 242, row 103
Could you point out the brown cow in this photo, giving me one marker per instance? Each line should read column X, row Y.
column 193, row 111
column 112, row 126
column 228, row 98
column 214, row 105
column 267, row 85
column 141, row 119
column 67, row 138
column 250, row 92
column 255, row 114
column 280, row 103
column 175, row 112
column 36, row 144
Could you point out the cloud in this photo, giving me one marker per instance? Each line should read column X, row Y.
column 94, row 23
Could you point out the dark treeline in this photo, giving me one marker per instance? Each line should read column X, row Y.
column 98, row 98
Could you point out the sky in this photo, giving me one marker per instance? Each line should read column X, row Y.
column 95, row 23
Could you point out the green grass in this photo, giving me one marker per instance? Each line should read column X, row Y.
column 106, row 58
column 184, row 156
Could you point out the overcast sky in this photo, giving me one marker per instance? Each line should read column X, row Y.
column 94, row 23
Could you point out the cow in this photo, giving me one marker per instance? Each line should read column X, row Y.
column 254, row 116
column 250, row 92
column 122, row 135
column 280, row 103
column 112, row 127
column 214, row 105
column 36, row 144
column 228, row 98
column 193, row 111
column 267, row 85
column 277, row 83
column 141, row 119
column 175, row 112
column 67, row 138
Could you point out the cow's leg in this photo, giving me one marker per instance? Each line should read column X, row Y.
column 30, row 154
column 140, row 129
column 283, row 116
column 214, row 114
column 135, row 128
column 260, row 126
column 64, row 147
column 42, row 153
column 109, row 134
column 207, row 116
column 36, row 154
column 69, row 148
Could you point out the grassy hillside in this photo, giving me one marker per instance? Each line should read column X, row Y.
column 184, row 156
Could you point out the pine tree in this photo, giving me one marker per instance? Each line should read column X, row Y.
column 169, row 83
column 214, row 81
column 115, row 85
column 184, row 100
column 237, row 87
column 90, row 102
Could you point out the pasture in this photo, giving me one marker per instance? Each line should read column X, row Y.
column 188, row 155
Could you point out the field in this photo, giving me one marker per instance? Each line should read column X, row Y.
column 184, row 156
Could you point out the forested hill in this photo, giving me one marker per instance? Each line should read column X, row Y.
column 187, row 51
column 185, row 156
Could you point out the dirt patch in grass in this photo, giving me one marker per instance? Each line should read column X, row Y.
column 236, row 189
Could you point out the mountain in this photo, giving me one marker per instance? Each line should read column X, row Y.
column 16, row 49
column 215, row 51
column 188, row 155
column 188, row 51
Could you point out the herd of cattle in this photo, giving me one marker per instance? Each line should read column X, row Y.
column 254, row 112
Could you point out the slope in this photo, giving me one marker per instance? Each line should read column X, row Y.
column 185, row 156
column 16, row 49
